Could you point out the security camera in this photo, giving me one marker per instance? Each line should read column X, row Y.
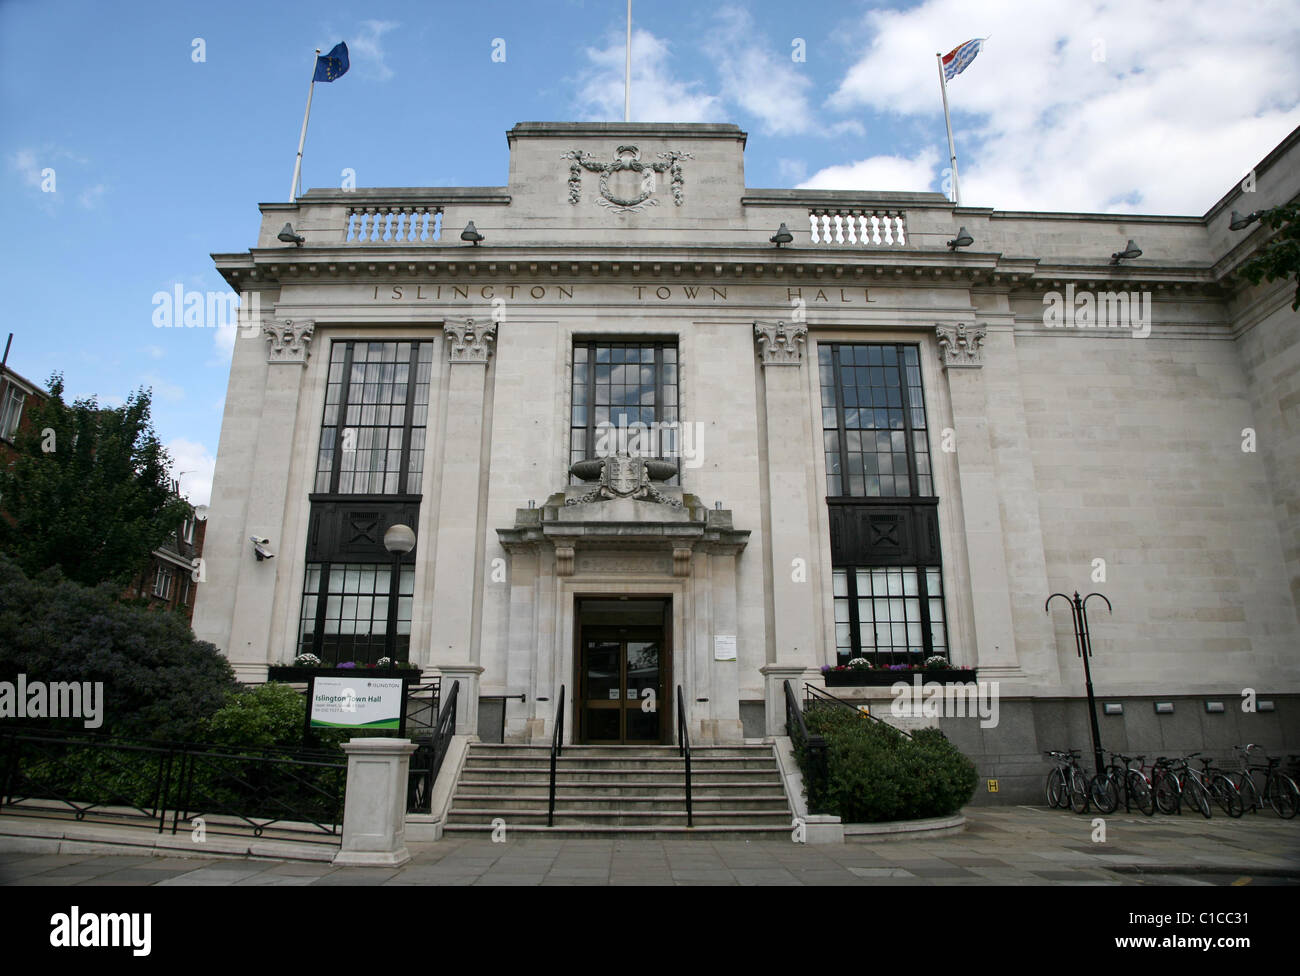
column 260, row 548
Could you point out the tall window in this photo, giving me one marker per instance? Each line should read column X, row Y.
column 888, row 584
column 356, row 612
column 624, row 398
column 873, row 421
column 376, row 407
column 12, row 412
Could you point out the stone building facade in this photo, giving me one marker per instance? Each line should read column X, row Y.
column 871, row 441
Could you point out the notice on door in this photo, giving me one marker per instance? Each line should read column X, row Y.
column 724, row 647
column 353, row 703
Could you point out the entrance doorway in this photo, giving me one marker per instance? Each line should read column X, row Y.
column 624, row 671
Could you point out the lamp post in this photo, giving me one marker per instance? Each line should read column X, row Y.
column 1083, row 647
column 398, row 540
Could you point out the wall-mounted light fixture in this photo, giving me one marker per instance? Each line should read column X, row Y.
column 1238, row 222
column 1164, row 708
column 289, row 237
column 1264, row 706
column 963, row 239
column 1113, row 708
column 1130, row 252
column 782, row 235
column 471, row 234
column 1214, row 707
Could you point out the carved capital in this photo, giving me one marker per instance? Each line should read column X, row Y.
column 780, row 343
column 470, row 341
column 960, row 347
column 289, row 340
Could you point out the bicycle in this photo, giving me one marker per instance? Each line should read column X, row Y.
column 1067, row 785
column 1280, row 790
column 1166, row 787
column 1223, row 790
column 1104, row 789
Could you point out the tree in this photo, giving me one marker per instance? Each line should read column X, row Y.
column 160, row 682
column 89, row 490
column 1280, row 257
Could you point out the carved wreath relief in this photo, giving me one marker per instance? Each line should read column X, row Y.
column 627, row 185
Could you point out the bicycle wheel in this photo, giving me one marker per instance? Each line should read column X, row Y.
column 1283, row 796
column 1078, row 791
column 1139, row 791
column 1056, row 796
column 1194, row 796
column 1167, row 790
column 1245, row 784
column 1227, row 795
column 1104, row 793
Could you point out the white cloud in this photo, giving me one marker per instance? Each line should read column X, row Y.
column 878, row 173
column 169, row 391
column 154, row 352
column 194, row 464
column 767, row 85
column 656, row 95
column 368, row 43
column 29, row 169
column 89, row 197
column 1087, row 105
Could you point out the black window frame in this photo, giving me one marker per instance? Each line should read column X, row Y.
column 914, row 516
column 661, row 406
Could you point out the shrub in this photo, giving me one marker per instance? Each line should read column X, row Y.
column 160, row 682
column 875, row 773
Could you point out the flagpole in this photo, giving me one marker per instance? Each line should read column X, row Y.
column 952, row 150
column 302, row 139
column 627, row 69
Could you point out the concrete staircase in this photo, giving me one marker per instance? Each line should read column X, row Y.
column 736, row 792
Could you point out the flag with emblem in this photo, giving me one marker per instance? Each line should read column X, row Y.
column 959, row 58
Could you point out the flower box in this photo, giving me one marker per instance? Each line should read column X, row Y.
column 883, row 677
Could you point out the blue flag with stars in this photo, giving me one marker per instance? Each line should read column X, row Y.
column 332, row 65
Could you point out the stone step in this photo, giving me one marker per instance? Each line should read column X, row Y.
column 665, row 777
column 625, row 818
column 617, row 752
column 599, row 804
column 745, row 832
column 478, row 761
column 618, row 787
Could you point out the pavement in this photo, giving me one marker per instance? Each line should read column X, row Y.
column 1000, row 846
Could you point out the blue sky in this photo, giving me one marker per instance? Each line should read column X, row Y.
column 159, row 159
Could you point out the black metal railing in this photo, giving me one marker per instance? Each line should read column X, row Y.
column 684, row 750
column 298, row 793
column 557, row 746
column 431, row 750
column 809, row 749
column 815, row 697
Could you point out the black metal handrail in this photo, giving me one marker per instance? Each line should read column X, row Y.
column 816, row 696
column 684, row 750
column 810, row 747
column 431, row 751
column 557, row 746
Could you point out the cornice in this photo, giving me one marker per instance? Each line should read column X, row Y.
column 271, row 267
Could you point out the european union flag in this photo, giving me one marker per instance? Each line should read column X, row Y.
column 332, row 65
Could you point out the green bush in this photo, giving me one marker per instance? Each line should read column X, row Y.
column 876, row 774
column 160, row 682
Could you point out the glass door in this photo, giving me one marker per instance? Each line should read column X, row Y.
column 622, row 689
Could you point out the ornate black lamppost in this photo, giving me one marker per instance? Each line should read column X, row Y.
column 1083, row 647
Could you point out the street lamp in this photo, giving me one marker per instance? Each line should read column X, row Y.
column 399, row 540
column 1083, row 647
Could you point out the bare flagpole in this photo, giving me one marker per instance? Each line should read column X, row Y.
column 627, row 69
column 952, row 151
column 297, row 163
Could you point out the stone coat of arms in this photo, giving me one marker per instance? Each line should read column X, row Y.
column 627, row 184
column 624, row 476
